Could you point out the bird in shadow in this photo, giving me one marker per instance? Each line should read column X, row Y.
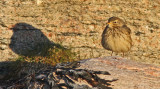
column 29, row 41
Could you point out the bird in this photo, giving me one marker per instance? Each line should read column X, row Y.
column 116, row 36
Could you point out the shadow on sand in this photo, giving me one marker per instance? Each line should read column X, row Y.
column 29, row 41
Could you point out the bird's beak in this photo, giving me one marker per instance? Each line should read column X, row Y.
column 108, row 23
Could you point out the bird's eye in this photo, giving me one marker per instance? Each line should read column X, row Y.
column 115, row 22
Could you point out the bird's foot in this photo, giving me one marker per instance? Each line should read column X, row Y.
column 117, row 57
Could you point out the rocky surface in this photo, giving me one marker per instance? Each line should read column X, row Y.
column 95, row 73
column 130, row 74
column 79, row 24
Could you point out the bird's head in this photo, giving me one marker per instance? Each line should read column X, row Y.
column 115, row 22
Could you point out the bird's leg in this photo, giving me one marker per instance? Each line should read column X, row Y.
column 117, row 57
column 123, row 54
column 111, row 53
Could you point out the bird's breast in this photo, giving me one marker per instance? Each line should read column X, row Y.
column 116, row 41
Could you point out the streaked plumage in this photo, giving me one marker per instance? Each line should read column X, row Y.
column 116, row 37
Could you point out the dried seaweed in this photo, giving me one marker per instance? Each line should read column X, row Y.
column 63, row 76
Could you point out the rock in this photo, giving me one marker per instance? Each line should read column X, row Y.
column 130, row 74
column 95, row 73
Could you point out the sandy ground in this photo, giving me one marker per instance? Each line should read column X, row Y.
column 78, row 24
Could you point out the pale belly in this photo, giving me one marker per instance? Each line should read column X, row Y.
column 119, row 43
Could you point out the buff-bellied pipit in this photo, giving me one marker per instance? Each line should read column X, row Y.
column 116, row 37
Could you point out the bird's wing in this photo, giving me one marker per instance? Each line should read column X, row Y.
column 105, row 30
column 127, row 29
column 105, row 38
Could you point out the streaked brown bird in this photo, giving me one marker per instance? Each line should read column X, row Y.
column 116, row 37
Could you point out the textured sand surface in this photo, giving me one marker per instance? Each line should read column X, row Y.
column 79, row 24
